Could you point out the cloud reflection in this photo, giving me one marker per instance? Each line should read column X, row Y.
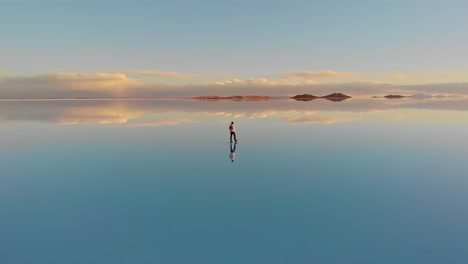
column 315, row 120
column 176, row 112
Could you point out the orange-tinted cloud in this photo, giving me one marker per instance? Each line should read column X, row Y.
column 69, row 85
column 399, row 76
column 316, row 75
column 160, row 74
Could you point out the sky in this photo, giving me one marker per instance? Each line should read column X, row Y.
column 108, row 48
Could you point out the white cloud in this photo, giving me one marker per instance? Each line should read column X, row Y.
column 254, row 82
column 160, row 74
column 397, row 117
column 249, row 81
column 4, row 72
column 68, row 85
column 315, row 75
column 398, row 76
column 92, row 81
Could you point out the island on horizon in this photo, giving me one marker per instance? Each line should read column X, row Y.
column 233, row 98
column 392, row 96
column 335, row 97
column 395, row 96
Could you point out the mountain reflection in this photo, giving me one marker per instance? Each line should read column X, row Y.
column 174, row 112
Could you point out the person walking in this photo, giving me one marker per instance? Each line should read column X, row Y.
column 232, row 128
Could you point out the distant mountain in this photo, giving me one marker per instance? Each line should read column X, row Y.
column 207, row 98
column 233, row 98
column 395, row 96
column 335, row 97
column 304, row 97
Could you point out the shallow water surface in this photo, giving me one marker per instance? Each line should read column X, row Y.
column 359, row 181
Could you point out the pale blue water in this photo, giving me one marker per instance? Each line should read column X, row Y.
column 367, row 190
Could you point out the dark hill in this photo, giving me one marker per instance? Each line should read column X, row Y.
column 394, row 96
column 335, row 97
column 233, row 98
column 304, row 97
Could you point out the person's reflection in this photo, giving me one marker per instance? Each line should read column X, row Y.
column 232, row 155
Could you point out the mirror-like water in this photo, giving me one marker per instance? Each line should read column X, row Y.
column 360, row 181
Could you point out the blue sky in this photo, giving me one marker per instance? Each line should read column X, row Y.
column 237, row 39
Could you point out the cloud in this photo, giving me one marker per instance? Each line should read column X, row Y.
column 399, row 76
column 4, row 72
column 315, row 75
column 68, row 85
column 119, row 85
column 160, row 74
column 439, row 88
column 397, row 117
column 92, row 81
column 259, row 81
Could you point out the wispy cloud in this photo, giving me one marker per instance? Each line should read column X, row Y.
column 311, row 75
column 398, row 76
column 260, row 81
column 397, row 117
column 3, row 71
column 92, row 81
column 68, row 85
column 160, row 74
